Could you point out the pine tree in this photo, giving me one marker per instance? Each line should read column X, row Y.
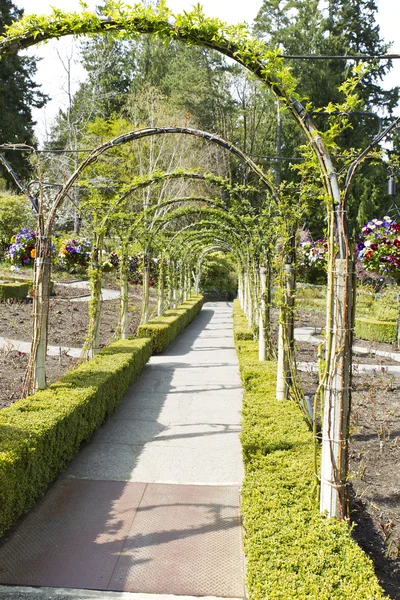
column 349, row 27
column 18, row 95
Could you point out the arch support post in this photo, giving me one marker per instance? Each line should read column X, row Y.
column 161, row 288
column 145, row 299
column 124, row 290
column 262, row 321
column 337, row 394
column 92, row 343
column 37, row 368
column 286, row 333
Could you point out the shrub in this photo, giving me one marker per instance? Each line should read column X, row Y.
column 163, row 330
column 292, row 551
column 218, row 274
column 41, row 434
column 14, row 290
column 376, row 331
column 15, row 212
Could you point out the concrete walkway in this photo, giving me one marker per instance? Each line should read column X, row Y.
column 151, row 505
column 105, row 293
column 25, row 347
column 313, row 336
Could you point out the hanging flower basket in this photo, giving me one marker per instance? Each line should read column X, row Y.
column 379, row 247
column 312, row 260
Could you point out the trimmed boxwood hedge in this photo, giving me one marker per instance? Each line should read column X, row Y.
column 163, row 330
column 17, row 288
column 292, row 551
column 14, row 290
column 41, row 434
column 241, row 330
column 376, row 331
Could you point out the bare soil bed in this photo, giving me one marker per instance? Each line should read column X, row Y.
column 68, row 323
column 13, row 366
column 374, row 455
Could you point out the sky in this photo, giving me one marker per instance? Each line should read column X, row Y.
column 50, row 71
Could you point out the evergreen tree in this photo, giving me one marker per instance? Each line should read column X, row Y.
column 349, row 27
column 18, row 95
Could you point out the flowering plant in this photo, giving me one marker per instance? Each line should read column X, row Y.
column 136, row 266
column 312, row 260
column 136, row 269
column 74, row 253
column 22, row 250
column 379, row 247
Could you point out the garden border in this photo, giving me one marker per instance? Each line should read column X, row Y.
column 374, row 330
column 163, row 330
column 292, row 551
column 41, row 434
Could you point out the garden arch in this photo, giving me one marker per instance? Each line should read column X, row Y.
column 234, row 42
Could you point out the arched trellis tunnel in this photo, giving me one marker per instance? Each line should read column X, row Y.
column 42, row 270
column 234, row 42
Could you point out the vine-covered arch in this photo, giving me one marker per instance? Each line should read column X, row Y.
column 190, row 28
column 267, row 66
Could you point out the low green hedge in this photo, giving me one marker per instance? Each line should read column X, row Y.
column 376, row 331
column 14, row 291
column 40, row 435
column 241, row 330
column 292, row 551
column 163, row 330
column 17, row 288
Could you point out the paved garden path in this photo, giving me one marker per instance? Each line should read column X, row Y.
column 150, row 507
column 105, row 293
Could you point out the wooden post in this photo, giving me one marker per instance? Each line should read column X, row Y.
column 124, row 291
column 92, row 344
column 161, row 287
column 285, row 334
column 262, row 354
column 40, row 316
column 145, row 299
column 337, row 392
